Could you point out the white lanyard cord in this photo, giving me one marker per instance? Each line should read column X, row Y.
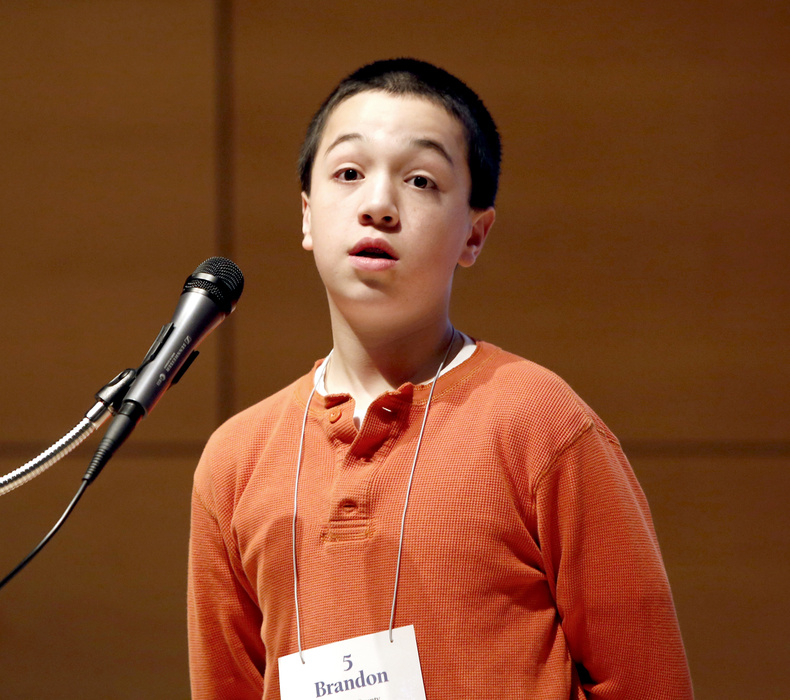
column 293, row 526
column 405, row 505
column 411, row 478
column 322, row 370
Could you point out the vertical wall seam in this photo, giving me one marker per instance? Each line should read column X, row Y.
column 224, row 116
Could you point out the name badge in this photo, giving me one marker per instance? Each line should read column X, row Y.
column 363, row 668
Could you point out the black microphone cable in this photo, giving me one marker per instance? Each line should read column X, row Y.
column 84, row 485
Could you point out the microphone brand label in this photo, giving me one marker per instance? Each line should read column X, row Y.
column 174, row 358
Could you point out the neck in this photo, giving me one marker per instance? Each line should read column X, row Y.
column 366, row 363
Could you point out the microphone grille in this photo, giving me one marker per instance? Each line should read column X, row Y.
column 220, row 278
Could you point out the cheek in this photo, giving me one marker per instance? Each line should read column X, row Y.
column 449, row 235
column 327, row 216
column 325, row 240
column 317, row 220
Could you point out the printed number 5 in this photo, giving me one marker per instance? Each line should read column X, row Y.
column 347, row 659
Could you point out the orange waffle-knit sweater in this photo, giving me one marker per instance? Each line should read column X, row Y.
column 530, row 567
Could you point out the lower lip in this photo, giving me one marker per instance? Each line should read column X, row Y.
column 372, row 264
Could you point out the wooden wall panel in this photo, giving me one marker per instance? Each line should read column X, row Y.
column 107, row 200
column 107, row 194
column 101, row 613
column 640, row 251
column 723, row 529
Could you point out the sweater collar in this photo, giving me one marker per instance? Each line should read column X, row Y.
column 407, row 392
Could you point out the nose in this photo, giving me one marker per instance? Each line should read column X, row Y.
column 379, row 205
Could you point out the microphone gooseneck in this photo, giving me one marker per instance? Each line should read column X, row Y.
column 108, row 401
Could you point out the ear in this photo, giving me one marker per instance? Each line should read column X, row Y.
column 482, row 220
column 307, row 239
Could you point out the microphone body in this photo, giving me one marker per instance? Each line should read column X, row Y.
column 208, row 298
column 196, row 315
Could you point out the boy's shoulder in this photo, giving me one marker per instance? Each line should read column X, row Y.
column 233, row 449
column 257, row 417
column 524, row 383
column 527, row 401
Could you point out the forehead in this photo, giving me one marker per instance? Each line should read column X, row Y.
column 375, row 116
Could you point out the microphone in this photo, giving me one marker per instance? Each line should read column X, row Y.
column 209, row 296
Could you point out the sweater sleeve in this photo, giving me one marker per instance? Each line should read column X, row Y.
column 226, row 655
column 603, row 562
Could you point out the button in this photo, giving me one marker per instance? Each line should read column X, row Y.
column 334, row 415
column 348, row 506
column 388, row 409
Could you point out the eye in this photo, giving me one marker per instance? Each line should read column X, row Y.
column 422, row 183
column 348, row 175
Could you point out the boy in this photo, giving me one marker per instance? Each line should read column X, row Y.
column 416, row 479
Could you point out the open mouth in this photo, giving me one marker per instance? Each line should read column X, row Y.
column 372, row 248
column 374, row 253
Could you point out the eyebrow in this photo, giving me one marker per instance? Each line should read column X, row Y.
column 435, row 146
column 342, row 139
column 419, row 143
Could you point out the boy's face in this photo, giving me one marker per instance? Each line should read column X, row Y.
column 388, row 216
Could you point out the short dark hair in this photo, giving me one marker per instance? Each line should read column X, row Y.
column 409, row 76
